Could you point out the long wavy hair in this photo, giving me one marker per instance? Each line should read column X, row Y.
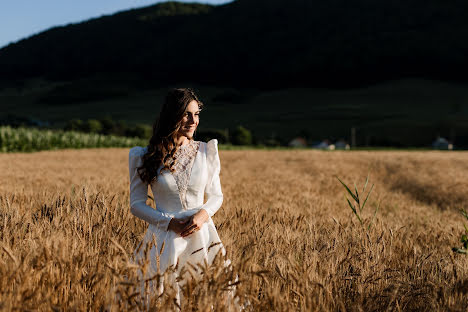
column 162, row 145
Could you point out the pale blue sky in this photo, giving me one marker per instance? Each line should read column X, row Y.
column 22, row 18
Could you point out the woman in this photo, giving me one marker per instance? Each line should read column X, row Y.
column 180, row 171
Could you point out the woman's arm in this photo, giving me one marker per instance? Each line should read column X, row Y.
column 139, row 193
column 213, row 189
column 214, row 197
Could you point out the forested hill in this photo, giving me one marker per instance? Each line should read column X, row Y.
column 330, row 43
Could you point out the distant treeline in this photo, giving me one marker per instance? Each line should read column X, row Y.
column 261, row 43
column 237, row 136
column 242, row 136
column 106, row 126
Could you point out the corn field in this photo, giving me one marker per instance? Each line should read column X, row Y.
column 67, row 234
column 30, row 139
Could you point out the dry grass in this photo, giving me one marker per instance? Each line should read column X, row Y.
column 66, row 232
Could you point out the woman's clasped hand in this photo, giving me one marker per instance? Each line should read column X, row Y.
column 188, row 225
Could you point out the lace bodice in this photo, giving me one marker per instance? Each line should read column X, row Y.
column 184, row 158
column 180, row 193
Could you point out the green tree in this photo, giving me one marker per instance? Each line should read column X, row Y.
column 140, row 130
column 108, row 125
column 93, row 126
column 121, row 128
column 74, row 125
column 208, row 134
column 241, row 136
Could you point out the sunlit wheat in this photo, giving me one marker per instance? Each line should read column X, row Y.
column 67, row 235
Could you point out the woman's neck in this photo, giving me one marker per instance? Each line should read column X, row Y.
column 182, row 140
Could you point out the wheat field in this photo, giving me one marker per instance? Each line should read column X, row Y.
column 67, row 234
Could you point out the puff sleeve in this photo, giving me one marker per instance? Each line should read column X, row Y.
column 213, row 186
column 139, row 193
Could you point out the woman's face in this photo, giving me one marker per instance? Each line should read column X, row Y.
column 190, row 120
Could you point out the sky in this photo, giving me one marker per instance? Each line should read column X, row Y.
column 23, row 18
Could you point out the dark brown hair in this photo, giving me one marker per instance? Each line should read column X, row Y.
column 162, row 145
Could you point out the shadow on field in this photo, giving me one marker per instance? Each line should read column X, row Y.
column 427, row 191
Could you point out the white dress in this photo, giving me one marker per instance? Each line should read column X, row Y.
column 178, row 194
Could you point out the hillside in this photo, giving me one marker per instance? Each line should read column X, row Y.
column 394, row 70
column 255, row 43
column 406, row 112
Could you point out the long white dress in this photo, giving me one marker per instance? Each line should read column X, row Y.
column 178, row 194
